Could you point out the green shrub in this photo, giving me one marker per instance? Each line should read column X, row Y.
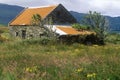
column 80, row 27
column 113, row 38
column 97, row 23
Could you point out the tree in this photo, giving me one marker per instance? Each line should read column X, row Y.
column 51, row 31
column 48, row 31
column 36, row 20
column 98, row 23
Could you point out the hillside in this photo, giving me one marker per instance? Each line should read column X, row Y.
column 114, row 22
column 8, row 12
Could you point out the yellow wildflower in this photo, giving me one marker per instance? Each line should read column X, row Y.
column 76, row 50
column 27, row 69
column 79, row 70
column 91, row 75
column 31, row 69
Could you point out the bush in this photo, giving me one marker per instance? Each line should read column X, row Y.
column 113, row 38
column 3, row 39
column 80, row 27
column 93, row 39
column 84, row 39
column 97, row 23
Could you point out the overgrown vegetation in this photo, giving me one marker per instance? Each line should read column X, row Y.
column 80, row 27
column 44, row 59
column 94, row 22
column 31, row 60
column 80, row 39
column 98, row 23
column 36, row 20
column 3, row 32
column 47, row 59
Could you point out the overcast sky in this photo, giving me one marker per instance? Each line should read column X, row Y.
column 106, row 7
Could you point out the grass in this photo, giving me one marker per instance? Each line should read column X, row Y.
column 23, row 61
column 33, row 60
column 4, row 34
column 1, row 25
column 3, row 29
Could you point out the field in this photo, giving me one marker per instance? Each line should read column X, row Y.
column 32, row 60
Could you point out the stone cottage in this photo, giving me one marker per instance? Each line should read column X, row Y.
column 21, row 25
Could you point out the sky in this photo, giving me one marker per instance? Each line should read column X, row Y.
column 105, row 7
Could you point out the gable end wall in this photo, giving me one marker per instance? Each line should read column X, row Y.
column 60, row 15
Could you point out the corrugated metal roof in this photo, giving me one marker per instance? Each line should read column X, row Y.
column 25, row 17
column 71, row 31
column 68, row 30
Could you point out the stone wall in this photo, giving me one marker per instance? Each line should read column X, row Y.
column 59, row 16
column 27, row 32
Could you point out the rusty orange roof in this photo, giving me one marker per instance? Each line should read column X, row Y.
column 25, row 17
column 68, row 30
column 71, row 31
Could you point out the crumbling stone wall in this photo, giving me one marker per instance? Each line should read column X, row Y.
column 60, row 16
column 27, row 32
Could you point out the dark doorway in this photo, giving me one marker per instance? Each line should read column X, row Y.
column 16, row 34
column 23, row 34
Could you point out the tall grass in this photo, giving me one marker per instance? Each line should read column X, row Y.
column 43, row 59
column 31, row 60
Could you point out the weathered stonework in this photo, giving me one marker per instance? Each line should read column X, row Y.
column 56, row 17
column 27, row 31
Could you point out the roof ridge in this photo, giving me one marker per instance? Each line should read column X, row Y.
column 45, row 12
column 42, row 6
column 52, row 10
